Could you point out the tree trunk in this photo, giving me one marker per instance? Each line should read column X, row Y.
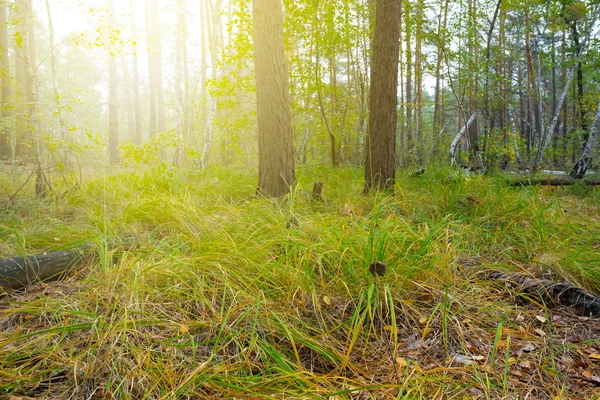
column 137, row 101
column 334, row 157
column 152, row 128
column 275, row 137
column 213, row 22
column 458, row 137
column 409, row 99
column 158, row 68
column 383, row 102
column 441, row 37
column 113, row 118
column 57, row 96
column 19, row 272
column 182, row 83
column 419, row 131
column 5, row 131
column 582, row 165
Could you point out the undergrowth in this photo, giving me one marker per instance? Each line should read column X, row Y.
column 227, row 295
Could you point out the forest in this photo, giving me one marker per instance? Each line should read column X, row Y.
column 304, row 199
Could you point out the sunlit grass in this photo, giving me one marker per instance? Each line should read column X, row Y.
column 223, row 297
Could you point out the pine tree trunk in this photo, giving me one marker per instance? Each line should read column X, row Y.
column 383, row 100
column 276, row 174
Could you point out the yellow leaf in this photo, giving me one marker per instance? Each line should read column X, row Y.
column 594, row 356
column 401, row 362
column 184, row 329
column 327, row 300
column 427, row 331
column 423, row 320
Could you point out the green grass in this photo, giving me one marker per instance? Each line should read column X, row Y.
column 222, row 299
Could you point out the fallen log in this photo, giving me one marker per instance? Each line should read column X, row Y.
column 20, row 272
column 555, row 182
column 549, row 292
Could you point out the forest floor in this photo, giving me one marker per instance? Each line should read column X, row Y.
column 230, row 296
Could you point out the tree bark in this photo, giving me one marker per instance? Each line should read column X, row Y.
column 383, row 102
column 19, row 272
column 152, row 128
column 137, row 101
column 158, row 67
column 458, row 137
column 441, row 37
column 275, row 136
column 113, row 118
column 409, row 99
column 581, row 166
column 5, row 131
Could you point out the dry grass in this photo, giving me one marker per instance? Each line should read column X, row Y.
column 222, row 299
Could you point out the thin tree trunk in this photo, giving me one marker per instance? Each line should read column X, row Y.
column 21, row 136
column 409, row 99
column 127, row 90
column 419, row 131
column 564, row 108
column 158, row 68
column 151, row 75
column 531, row 79
column 137, row 102
column 113, row 118
column 332, row 139
column 458, row 137
column 581, row 166
column 213, row 27
column 441, row 37
column 5, row 131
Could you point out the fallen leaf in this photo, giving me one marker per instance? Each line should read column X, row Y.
column 587, row 374
column 184, row 329
column 478, row 358
column 401, row 362
column 327, row 300
column 594, row 356
column 423, row 320
column 511, row 360
column 520, row 318
column 529, row 347
column 540, row 332
column 427, row 332
column 541, row 319
column 462, row 359
column 525, row 366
